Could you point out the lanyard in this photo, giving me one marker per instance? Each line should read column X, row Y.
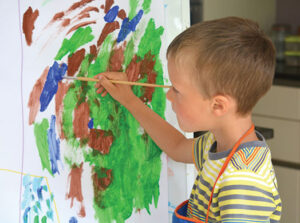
column 225, row 165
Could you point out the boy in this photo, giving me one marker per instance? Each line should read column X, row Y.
column 219, row 69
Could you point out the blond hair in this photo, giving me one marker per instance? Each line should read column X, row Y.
column 232, row 56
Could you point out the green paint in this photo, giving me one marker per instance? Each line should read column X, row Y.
column 36, row 219
column 146, row 6
column 133, row 4
column 40, row 132
column 45, row 2
column 129, row 52
column 44, row 219
column 79, row 38
column 151, row 40
column 102, row 60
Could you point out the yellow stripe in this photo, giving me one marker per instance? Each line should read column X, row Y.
column 247, row 202
column 32, row 175
column 249, row 212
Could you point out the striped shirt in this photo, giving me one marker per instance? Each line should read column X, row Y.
column 245, row 192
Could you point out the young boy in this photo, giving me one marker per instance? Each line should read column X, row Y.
column 219, row 69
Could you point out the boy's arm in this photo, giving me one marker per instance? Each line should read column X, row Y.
column 169, row 139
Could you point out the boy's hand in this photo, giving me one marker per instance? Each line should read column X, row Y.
column 120, row 92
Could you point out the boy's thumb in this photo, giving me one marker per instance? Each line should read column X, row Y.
column 106, row 83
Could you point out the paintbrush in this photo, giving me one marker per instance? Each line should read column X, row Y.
column 116, row 82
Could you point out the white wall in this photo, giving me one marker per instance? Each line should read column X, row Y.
column 261, row 11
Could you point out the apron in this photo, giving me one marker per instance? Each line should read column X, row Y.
column 180, row 213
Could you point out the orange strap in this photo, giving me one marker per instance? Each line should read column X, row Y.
column 225, row 165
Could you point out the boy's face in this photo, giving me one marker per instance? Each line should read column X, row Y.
column 192, row 110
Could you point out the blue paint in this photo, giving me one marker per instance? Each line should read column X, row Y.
column 27, row 198
column 73, row 220
column 129, row 26
column 91, row 124
column 36, row 183
column 111, row 14
column 25, row 215
column 39, row 193
column 54, row 146
column 55, row 74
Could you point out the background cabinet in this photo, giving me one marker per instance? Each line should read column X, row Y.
column 280, row 110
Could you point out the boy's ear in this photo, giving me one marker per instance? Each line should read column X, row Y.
column 220, row 104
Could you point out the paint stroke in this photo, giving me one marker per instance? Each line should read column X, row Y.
column 54, row 146
column 91, row 124
column 78, row 39
column 81, row 25
column 79, row 4
column 74, row 61
column 111, row 14
column 34, row 102
column 133, row 4
column 29, row 18
column 116, row 59
column 133, row 69
column 129, row 26
column 147, row 68
column 103, row 179
column 55, row 75
column 89, row 9
column 73, row 220
column 81, row 120
column 146, row 6
column 59, row 97
column 122, row 14
column 75, row 190
column 108, row 4
column 41, row 140
column 107, row 29
column 100, row 140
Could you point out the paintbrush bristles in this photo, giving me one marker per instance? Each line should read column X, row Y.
column 120, row 82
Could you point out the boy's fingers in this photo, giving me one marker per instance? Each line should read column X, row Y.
column 107, row 84
column 113, row 75
column 97, row 85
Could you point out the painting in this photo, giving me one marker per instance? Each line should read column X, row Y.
column 83, row 157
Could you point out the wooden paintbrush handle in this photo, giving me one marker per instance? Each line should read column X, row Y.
column 123, row 82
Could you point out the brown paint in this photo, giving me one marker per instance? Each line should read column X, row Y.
column 147, row 68
column 35, row 94
column 117, row 58
column 86, row 15
column 58, row 16
column 29, row 18
column 80, row 25
column 75, row 189
column 74, row 61
column 89, row 9
column 99, row 141
column 79, row 4
column 81, row 120
column 133, row 69
column 59, row 97
column 107, row 29
column 122, row 14
column 93, row 52
column 102, row 6
column 101, row 183
column 66, row 22
column 108, row 4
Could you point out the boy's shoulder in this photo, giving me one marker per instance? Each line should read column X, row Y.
column 252, row 158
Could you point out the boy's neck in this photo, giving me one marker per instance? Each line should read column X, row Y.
column 229, row 133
